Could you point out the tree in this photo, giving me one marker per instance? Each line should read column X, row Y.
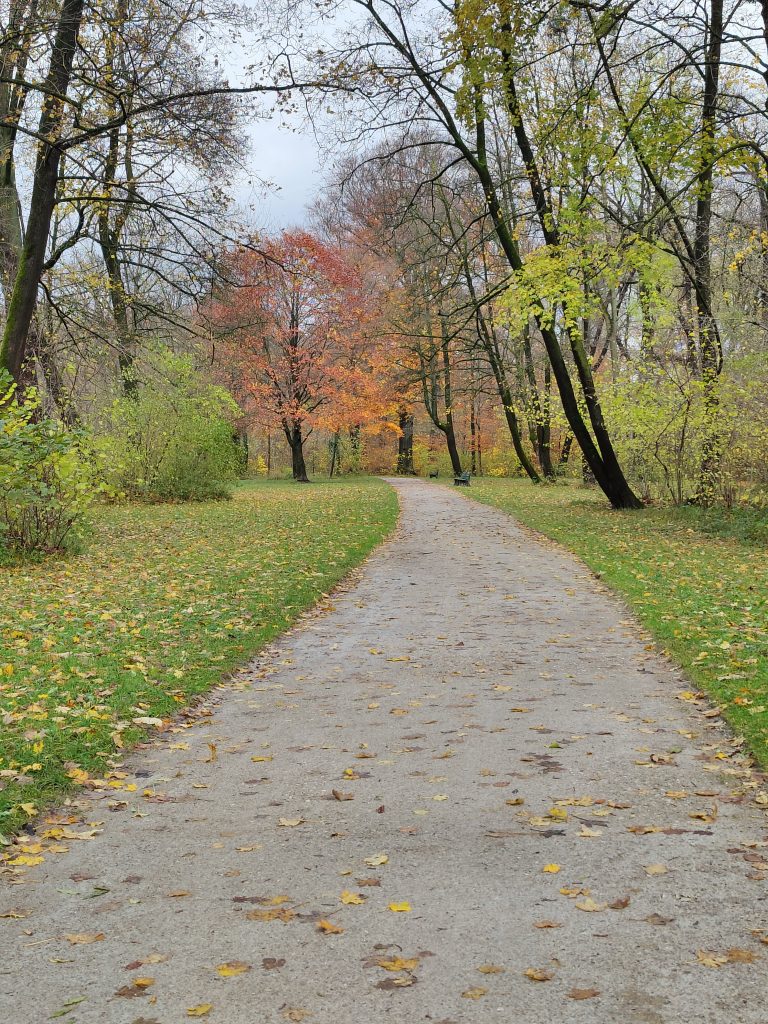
column 295, row 324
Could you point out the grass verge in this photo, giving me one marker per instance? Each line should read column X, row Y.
column 697, row 580
column 164, row 601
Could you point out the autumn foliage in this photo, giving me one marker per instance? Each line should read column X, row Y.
column 300, row 327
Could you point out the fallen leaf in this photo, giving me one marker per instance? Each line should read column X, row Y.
column 656, row 869
column 212, row 755
column 232, row 968
column 84, row 939
column 399, row 963
column 710, row 959
column 338, row 795
column 657, row 919
column 590, row 906
column 583, row 993
column 201, row 1010
column 400, row 908
column 329, row 928
column 619, row 904
column 490, row 969
column 290, row 822
column 551, row 869
column 474, row 993
column 539, row 974
column 377, row 860
column 547, row 924
column 351, row 898
column 271, row 963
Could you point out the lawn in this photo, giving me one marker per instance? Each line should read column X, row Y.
column 697, row 580
column 162, row 603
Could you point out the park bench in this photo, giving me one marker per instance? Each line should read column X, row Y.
column 462, row 481
column 433, row 474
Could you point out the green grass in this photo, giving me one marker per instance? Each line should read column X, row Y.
column 164, row 601
column 697, row 580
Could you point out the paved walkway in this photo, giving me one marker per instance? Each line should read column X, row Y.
column 368, row 827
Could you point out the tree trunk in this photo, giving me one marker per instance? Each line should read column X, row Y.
column 405, row 445
column 21, row 306
column 334, row 453
column 296, row 443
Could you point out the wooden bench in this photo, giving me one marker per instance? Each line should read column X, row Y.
column 462, row 481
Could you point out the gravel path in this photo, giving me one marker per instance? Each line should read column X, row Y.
column 467, row 773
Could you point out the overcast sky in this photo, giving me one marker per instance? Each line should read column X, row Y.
column 289, row 159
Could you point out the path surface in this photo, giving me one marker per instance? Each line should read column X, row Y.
column 470, row 683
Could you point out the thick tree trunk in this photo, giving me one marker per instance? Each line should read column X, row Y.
column 405, row 445
column 21, row 307
column 296, row 443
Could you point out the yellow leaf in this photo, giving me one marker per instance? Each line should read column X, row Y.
column 84, row 939
column 267, row 757
column 474, row 993
column 351, row 898
column 329, row 928
column 377, row 860
column 29, row 862
column 201, row 1010
column 490, row 969
column 590, row 906
column 232, row 968
column 399, row 963
column 557, row 814
column 539, row 974
column 656, row 869
column 290, row 822
column 551, row 869
column 400, row 908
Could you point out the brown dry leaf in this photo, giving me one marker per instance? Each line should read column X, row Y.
column 474, row 993
column 201, row 1010
column 657, row 919
column 583, row 993
column 329, row 928
column 212, row 755
column 547, row 924
column 621, row 903
column 271, row 963
column 368, row 882
column 656, row 869
column 232, row 968
column 15, row 915
column 295, row 1014
column 590, row 906
column 490, row 969
column 539, row 974
column 741, row 956
column 178, row 893
column 399, row 963
column 338, row 795
column 84, row 939
column 515, row 802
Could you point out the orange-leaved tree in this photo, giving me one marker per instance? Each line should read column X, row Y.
column 298, row 321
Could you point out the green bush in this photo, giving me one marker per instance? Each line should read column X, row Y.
column 47, row 477
column 172, row 439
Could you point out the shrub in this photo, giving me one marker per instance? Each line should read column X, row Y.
column 172, row 439
column 47, row 477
